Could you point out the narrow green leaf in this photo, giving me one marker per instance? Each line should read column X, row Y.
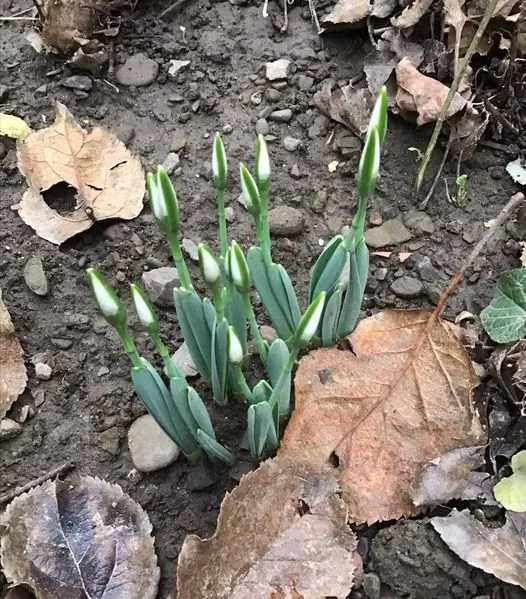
column 331, row 315
column 294, row 308
column 277, row 358
column 219, row 370
column 379, row 115
column 326, row 266
column 200, row 413
column 505, row 318
column 237, row 317
column 263, row 423
column 179, row 392
column 251, row 429
column 261, row 392
column 213, row 448
column 369, row 164
column 359, row 261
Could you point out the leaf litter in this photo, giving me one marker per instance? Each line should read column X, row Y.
column 108, row 181
column 73, row 541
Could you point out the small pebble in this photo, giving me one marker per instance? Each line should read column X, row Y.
column 305, row 83
column 230, row 215
column 191, row 249
column 419, row 221
column 103, row 370
column 150, row 447
column 262, row 127
column 137, row 71
column 407, row 287
column 39, row 397
column 35, row 277
column 291, row 144
column 178, row 143
column 43, row 371
column 278, row 69
column 372, row 585
column 80, row 82
column 392, row 232
column 272, row 95
column 160, row 283
column 171, row 162
column 268, row 333
column 183, row 360
column 281, row 116
column 286, row 221
column 9, row 429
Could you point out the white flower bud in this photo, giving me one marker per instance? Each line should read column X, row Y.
column 208, row 264
column 263, row 160
column 142, row 307
column 107, row 301
column 235, row 351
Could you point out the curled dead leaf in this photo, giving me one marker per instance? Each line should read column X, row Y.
column 411, row 14
column 403, row 398
column 282, row 533
column 75, row 541
column 347, row 12
column 349, row 106
column 13, row 375
column 108, row 180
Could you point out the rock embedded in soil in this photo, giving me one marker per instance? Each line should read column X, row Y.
column 80, row 82
column 291, row 144
column 43, row 371
column 262, row 127
column 407, row 287
column 150, row 447
column 305, row 83
column 178, row 143
column 286, row 221
column 171, row 162
column 35, row 277
column 281, row 116
column 419, row 221
column 137, row 71
column 272, row 95
column 268, row 334
column 183, row 360
column 9, row 429
column 372, row 585
column 160, row 284
column 392, row 232
column 278, row 69
column 191, row 249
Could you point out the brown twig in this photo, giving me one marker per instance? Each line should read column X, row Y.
column 431, row 191
column 488, row 13
column 10, row 495
column 171, row 9
column 493, row 110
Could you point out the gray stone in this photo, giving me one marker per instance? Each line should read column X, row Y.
column 230, row 215
column 272, row 95
column 427, row 271
column 372, row 585
column 319, row 127
column 392, row 232
column 291, row 144
column 43, row 371
column 35, row 277
column 80, row 82
column 262, row 127
column 407, row 287
column 268, row 333
column 286, row 221
column 295, row 172
column 305, row 83
column 191, row 249
column 39, row 395
column 160, row 284
column 183, row 360
column 319, row 201
column 9, row 429
column 175, row 66
column 419, row 221
column 137, row 71
column 281, row 116
column 110, row 440
column 150, row 447
column 171, row 162
column 279, row 69
column 178, row 143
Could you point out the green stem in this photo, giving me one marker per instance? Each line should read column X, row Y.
column 218, row 302
column 355, row 233
column 287, row 369
column 129, row 347
column 241, row 383
column 264, row 242
column 223, row 236
column 254, row 329
column 171, row 369
column 180, row 264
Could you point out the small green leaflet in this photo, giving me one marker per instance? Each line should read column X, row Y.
column 505, row 318
column 511, row 491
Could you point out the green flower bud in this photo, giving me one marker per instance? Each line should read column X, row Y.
column 250, row 191
column 219, row 164
column 163, row 200
column 208, row 265
column 308, row 324
column 378, row 118
column 369, row 164
column 107, row 300
column 238, row 269
column 235, row 350
column 144, row 309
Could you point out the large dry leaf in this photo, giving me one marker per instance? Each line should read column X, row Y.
column 423, row 95
column 402, row 399
column 347, row 12
column 412, row 14
column 452, row 476
column 499, row 551
column 349, row 106
column 281, row 534
column 108, row 180
column 82, row 541
column 13, row 375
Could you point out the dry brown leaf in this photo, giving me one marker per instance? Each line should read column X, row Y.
column 13, row 375
column 347, row 12
column 466, row 129
column 499, row 551
column 349, row 106
column 108, row 180
column 423, row 95
column 281, row 534
column 67, row 24
column 383, row 8
column 403, row 398
column 412, row 14
column 452, row 476
column 74, row 541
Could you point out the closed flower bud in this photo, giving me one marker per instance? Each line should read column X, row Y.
column 208, row 265
column 369, row 164
column 308, row 325
column 262, row 161
column 106, row 298
column 238, row 268
column 250, row 191
column 235, row 351
column 145, row 312
column 379, row 115
column 219, row 164
column 163, row 200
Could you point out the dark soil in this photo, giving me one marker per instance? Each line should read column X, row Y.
column 89, row 403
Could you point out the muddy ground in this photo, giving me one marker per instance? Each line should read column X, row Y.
column 82, row 413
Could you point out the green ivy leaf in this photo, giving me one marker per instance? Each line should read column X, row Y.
column 511, row 491
column 505, row 318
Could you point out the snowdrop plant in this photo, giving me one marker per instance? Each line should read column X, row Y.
column 216, row 327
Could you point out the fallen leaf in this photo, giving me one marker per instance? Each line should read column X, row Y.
column 455, row 17
column 347, row 12
column 349, row 106
column 412, row 14
column 383, row 8
column 68, row 24
column 499, row 551
column 508, row 366
column 401, row 398
column 452, row 476
column 13, row 126
column 73, row 541
column 466, row 129
column 517, row 171
column 423, row 95
column 510, row 492
column 282, row 533
column 13, row 375
column 108, row 180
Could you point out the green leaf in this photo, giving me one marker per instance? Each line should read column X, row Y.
column 261, row 392
column 192, row 314
column 213, row 448
column 330, row 318
column 505, row 318
column 258, row 273
column 369, row 164
column 379, row 115
column 237, row 316
column 358, row 272
column 277, row 357
column 518, row 462
column 179, row 392
column 292, row 300
column 259, row 421
column 219, row 369
column 328, row 267
column 511, row 491
column 200, row 413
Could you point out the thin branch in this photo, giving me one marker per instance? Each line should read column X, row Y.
column 10, row 495
column 459, row 74
column 171, row 9
column 495, row 113
column 430, row 193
